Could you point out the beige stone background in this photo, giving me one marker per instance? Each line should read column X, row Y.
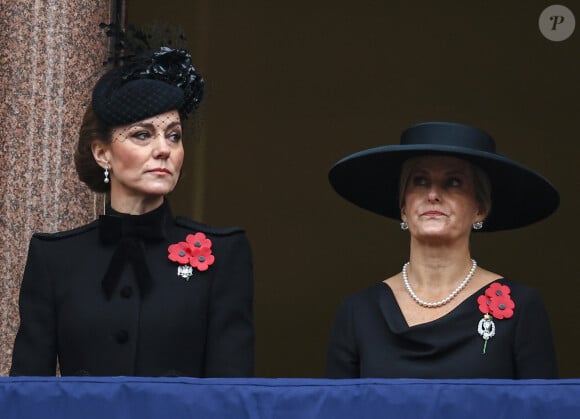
column 294, row 86
column 51, row 53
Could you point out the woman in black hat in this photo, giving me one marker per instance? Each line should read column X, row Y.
column 443, row 316
column 138, row 291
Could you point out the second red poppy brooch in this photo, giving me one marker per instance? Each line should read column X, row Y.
column 194, row 252
column 496, row 303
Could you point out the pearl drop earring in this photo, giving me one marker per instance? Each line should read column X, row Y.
column 106, row 180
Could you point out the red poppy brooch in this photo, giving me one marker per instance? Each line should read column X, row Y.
column 194, row 252
column 494, row 303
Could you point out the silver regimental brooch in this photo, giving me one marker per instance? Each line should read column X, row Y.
column 486, row 328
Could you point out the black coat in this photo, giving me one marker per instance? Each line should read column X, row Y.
column 144, row 319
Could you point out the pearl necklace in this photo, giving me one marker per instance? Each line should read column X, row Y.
column 446, row 299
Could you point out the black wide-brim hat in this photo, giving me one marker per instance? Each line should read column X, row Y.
column 370, row 178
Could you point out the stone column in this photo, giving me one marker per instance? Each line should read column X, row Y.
column 50, row 57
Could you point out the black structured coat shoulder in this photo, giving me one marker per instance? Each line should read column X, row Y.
column 104, row 299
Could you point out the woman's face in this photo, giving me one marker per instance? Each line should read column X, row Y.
column 440, row 200
column 145, row 157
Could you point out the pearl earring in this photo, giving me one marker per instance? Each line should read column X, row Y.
column 404, row 225
column 106, row 180
column 478, row 225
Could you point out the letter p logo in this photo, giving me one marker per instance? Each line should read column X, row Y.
column 556, row 20
column 557, row 23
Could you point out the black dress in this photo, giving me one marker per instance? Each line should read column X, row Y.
column 104, row 299
column 372, row 339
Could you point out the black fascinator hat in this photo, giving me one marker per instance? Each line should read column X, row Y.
column 370, row 178
column 148, row 85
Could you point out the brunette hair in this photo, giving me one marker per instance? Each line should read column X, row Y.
column 92, row 129
column 481, row 184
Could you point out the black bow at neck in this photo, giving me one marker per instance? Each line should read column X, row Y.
column 130, row 233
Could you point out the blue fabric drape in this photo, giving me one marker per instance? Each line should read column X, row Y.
column 260, row 398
